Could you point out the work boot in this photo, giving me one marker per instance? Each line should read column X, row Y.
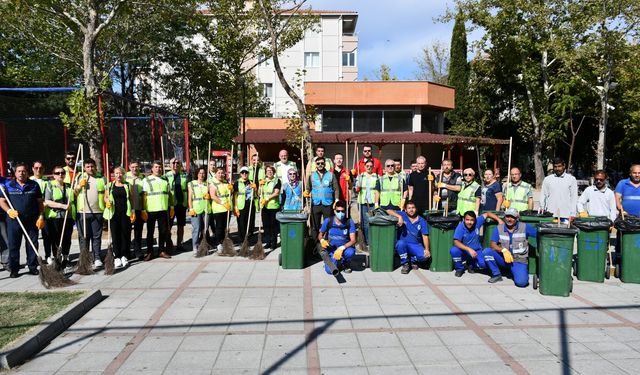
column 34, row 272
column 495, row 279
column 164, row 255
column 459, row 273
column 405, row 268
column 148, row 257
column 13, row 274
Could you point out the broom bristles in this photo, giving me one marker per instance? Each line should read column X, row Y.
column 360, row 238
column 50, row 277
column 227, row 245
column 109, row 266
column 244, row 249
column 203, row 248
column 258, row 249
column 85, row 260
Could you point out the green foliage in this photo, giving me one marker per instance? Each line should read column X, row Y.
column 458, row 77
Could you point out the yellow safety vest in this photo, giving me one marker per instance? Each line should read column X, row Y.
column 467, row 198
column 224, row 195
column 391, row 193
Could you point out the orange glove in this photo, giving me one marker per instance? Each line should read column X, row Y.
column 583, row 214
column 440, row 185
column 261, row 182
column 236, row 213
column 132, row 218
column 13, row 213
column 306, row 194
column 82, row 183
column 347, row 177
column 192, row 212
column 506, row 203
column 108, row 204
column 144, row 216
column 262, row 202
column 227, row 206
column 172, row 213
column 324, row 243
column 337, row 255
column 430, row 177
column 230, row 187
column 353, row 171
column 507, row 255
column 206, row 196
column 253, row 186
column 40, row 223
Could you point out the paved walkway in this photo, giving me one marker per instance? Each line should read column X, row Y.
column 220, row 315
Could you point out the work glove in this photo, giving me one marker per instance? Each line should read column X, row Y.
column 506, row 203
column 262, row 202
column 227, row 206
column 583, row 214
column 40, row 223
column 430, row 177
column 337, row 255
column 347, row 177
column 13, row 213
column 353, row 171
column 441, row 185
column 236, row 213
column 132, row 218
column 324, row 243
column 172, row 213
column 192, row 212
column 206, row 196
column 401, row 204
column 108, row 204
column 253, row 186
column 261, row 182
column 144, row 216
column 230, row 187
column 82, row 183
column 306, row 194
column 507, row 255
column 436, row 198
column 376, row 205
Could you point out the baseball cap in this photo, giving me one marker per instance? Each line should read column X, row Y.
column 512, row 212
column 244, row 169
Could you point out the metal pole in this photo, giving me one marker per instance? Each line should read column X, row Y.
column 244, row 123
column 105, row 146
column 153, row 135
column 126, row 144
column 186, row 145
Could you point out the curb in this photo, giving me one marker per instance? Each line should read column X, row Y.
column 38, row 338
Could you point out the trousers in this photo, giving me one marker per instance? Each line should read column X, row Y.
column 93, row 232
column 198, row 231
column 54, row 227
column 410, row 251
column 495, row 262
column 347, row 254
column 15, row 234
column 318, row 214
column 121, row 234
column 137, row 234
column 162, row 217
column 271, row 225
column 458, row 255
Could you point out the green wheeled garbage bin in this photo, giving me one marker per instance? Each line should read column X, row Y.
column 593, row 244
column 534, row 217
column 629, row 268
column 293, row 227
column 555, row 253
column 489, row 226
column 382, row 241
column 441, row 229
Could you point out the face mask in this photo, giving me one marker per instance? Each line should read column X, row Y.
column 340, row 215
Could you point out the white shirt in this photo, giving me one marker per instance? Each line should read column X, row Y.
column 598, row 202
column 560, row 194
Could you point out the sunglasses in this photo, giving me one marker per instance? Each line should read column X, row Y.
column 599, row 179
column 366, row 150
column 58, row 173
column 70, row 158
column 244, row 172
column 390, row 166
column 293, row 174
column 469, row 174
column 340, row 211
column 319, row 163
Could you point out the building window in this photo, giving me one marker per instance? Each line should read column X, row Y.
column 398, row 121
column 349, row 58
column 367, row 121
column 312, row 59
column 267, row 90
column 336, row 121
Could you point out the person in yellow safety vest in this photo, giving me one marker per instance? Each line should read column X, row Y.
column 368, row 189
column 135, row 179
column 178, row 181
column 283, row 165
column 198, row 207
column 220, row 192
column 518, row 194
column 243, row 194
column 118, row 211
column 39, row 177
column 270, row 204
column 156, row 198
column 256, row 171
column 469, row 196
column 69, row 168
column 58, row 199
column 393, row 188
column 324, row 191
column 211, row 173
column 90, row 189
column 311, row 165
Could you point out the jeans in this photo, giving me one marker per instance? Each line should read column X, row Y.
column 364, row 221
column 93, row 232
column 197, row 229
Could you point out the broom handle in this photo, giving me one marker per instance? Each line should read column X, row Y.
column 430, row 195
column 303, row 176
column 228, row 182
column 509, row 165
column 347, row 193
column 206, row 214
column 73, row 184
column 108, row 174
column 259, row 190
column 20, row 222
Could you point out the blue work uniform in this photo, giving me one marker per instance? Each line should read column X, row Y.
column 470, row 238
column 26, row 200
column 410, row 246
column 519, row 267
column 338, row 235
column 630, row 196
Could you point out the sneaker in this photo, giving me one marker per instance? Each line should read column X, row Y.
column 195, row 251
column 117, row 263
column 346, row 269
column 459, row 273
column 219, row 247
column 49, row 260
column 124, row 261
column 495, row 279
column 414, row 266
column 405, row 268
column 97, row 263
column 34, row 272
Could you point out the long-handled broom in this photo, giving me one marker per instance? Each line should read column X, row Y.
column 228, row 249
column 109, row 265
column 58, row 259
column 258, row 248
column 244, row 248
column 203, row 248
column 85, row 258
column 360, row 242
column 49, row 276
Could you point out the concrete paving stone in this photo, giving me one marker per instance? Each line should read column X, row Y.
column 409, row 339
column 348, row 370
column 45, row 364
column 404, row 369
column 571, row 348
column 67, row 344
column 234, row 371
column 180, row 313
column 388, row 356
column 337, row 340
column 548, row 335
column 546, row 367
column 284, row 342
column 613, row 350
column 533, row 351
column 277, row 360
column 343, row 357
column 457, row 338
column 594, row 366
column 510, row 336
column 473, row 353
column 106, row 344
column 103, row 313
column 248, row 302
column 482, row 368
column 622, row 334
column 447, row 369
column 378, row 340
column 82, row 362
column 429, row 355
column 243, row 342
column 136, row 313
column 628, row 366
column 159, row 344
column 172, row 325
column 146, row 361
column 192, row 362
column 238, row 359
column 204, row 343
column 444, row 321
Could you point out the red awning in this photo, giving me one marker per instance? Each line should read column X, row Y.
column 266, row 136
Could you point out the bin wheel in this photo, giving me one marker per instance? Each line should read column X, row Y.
column 571, row 285
column 617, row 272
column 366, row 263
column 534, row 282
column 606, row 271
column 280, row 260
column 574, row 265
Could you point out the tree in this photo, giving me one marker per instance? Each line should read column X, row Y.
column 458, row 69
column 433, row 63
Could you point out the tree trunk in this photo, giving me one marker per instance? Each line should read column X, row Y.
column 538, row 135
column 602, row 127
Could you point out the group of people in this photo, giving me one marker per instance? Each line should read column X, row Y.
column 128, row 200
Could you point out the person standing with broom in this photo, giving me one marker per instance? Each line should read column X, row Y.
column 270, row 204
column 243, row 191
column 90, row 189
column 58, row 199
column 198, row 207
column 120, row 215
column 155, row 204
column 26, row 199
column 220, row 205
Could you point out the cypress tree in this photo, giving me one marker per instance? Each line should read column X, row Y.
column 459, row 71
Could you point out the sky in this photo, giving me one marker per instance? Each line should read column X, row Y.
column 393, row 32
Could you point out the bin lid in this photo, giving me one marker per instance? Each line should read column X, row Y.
column 593, row 223
column 630, row 223
column 439, row 221
column 292, row 217
column 381, row 217
column 553, row 228
column 534, row 214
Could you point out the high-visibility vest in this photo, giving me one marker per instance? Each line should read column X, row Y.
column 157, row 193
column 241, row 195
column 59, row 197
column 322, row 192
column 100, row 184
column 517, row 243
column 367, row 184
column 42, row 182
column 136, row 186
column 293, row 197
column 199, row 189
column 267, row 190
column 171, row 176
column 108, row 212
column 467, row 198
column 518, row 195
column 224, row 194
column 391, row 193
column 260, row 170
column 328, row 164
column 67, row 175
column 280, row 166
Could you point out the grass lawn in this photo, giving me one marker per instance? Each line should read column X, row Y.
column 21, row 311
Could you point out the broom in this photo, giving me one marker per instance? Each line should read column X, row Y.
column 49, row 276
column 58, row 258
column 258, row 248
column 109, row 265
column 362, row 246
column 203, row 248
column 244, row 249
column 228, row 249
column 437, row 188
column 85, row 258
